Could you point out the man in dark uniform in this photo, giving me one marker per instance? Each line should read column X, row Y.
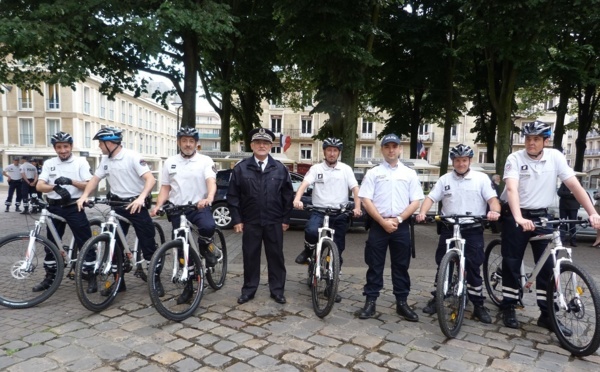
column 568, row 207
column 260, row 197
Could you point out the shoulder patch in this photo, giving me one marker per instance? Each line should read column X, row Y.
column 214, row 168
column 143, row 163
column 173, row 166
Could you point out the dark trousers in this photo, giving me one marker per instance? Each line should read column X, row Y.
column 203, row 220
column 79, row 225
column 26, row 191
column 375, row 252
column 338, row 223
column 252, row 240
column 568, row 214
column 514, row 242
column 14, row 186
column 474, row 256
column 144, row 229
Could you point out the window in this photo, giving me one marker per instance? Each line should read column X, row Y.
column 53, row 95
column 131, row 114
column 276, row 124
column 52, row 127
column 482, row 156
column 454, row 133
column 86, row 100
column 111, row 110
column 306, row 124
column 25, row 132
column 306, row 99
column 130, row 138
column 25, row 97
column 367, row 126
column 366, row 151
column 274, row 150
column 155, row 145
column 102, row 113
column 424, row 133
column 305, row 152
column 87, row 134
column 123, row 112
column 147, row 119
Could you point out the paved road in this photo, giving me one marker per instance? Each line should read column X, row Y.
column 261, row 335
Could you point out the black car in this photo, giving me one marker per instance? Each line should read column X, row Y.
column 222, row 215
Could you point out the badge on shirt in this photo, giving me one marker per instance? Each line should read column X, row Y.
column 106, row 167
column 447, row 187
column 52, row 168
column 320, row 178
column 173, row 166
column 524, row 167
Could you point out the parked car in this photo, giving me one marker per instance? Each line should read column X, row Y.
column 581, row 214
column 222, row 214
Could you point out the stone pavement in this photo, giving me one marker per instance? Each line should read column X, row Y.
column 61, row 335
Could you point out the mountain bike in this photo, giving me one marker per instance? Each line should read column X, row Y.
column 324, row 262
column 451, row 289
column 22, row 257
column 110, row 263
column 571, row 289
column 181, row 270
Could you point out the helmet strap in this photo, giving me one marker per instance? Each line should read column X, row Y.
column 110, row 153
column 535, row 157
column 464, row 173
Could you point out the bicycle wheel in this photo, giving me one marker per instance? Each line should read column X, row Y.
column 582, row 312
column 99, row 297
column 96, row 225
column 17, row 279
column 180, row 299
column 450, row 302
column 216, row 276
column 324, row 289
column 492, row 271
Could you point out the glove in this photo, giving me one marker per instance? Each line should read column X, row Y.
column 64, row 194
column 63, row 181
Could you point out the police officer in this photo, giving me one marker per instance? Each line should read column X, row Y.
column 29, row 176
column 189, row 177
column 63, row 178
column 329, row 179
column 390, row 193
column 13, row 176
column 464, row 191
column 130, row 181
column 260, row 199
column 530, row 177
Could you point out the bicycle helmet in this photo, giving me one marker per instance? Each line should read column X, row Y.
column 109, row 134
column 188, row 132
column 61, row 137
column 537, row 128
column 333, row 142
column 461, row 151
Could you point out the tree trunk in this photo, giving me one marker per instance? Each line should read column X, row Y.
column 226, row 122
column 561, row 112
column 491, row 137
column 190, row 81
column 350, row 124
column 587, row 104
column 448, row 115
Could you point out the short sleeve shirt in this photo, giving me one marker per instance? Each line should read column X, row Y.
column 75, row 168
column 537, row 178
column 330, row 185
column 463, row 195
column 28, row 170
column 13, row 171
column 124, row 173
column 187, row 177
column 391, row 189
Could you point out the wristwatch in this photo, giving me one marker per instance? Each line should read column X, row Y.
column 400, row 219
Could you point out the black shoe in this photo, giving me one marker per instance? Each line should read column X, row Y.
column 92, row 284
column 481, row 313
column 244, row 298
column 303, row 257
column 25, row 212
column 17, row 209
column 160, row 291
column 107, row 291
column 368, row 311
column 573, row 243
column 509, row 317
column 210, row 258
column 44, row 284
column 544, row 322
column 187, row 293
column 280, row 299
column 406, row 312
column 430, row 308
column 7, row 210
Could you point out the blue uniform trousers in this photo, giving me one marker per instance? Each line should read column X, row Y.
column 338, row 223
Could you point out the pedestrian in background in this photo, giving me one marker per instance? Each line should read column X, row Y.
column 13, row 177
column 260, row 198
column 29, row 177
column 567, row 210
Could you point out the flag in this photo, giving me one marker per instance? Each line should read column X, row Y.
column 285, row 142
column 421, row 151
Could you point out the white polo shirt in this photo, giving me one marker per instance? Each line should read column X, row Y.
column 330, row 185
column 391, row 189
column 13, row 171
column 75, row 168
column 187, row 177
column 28, row 170
column 462, row 195
column 537, row 178
column 124, row 173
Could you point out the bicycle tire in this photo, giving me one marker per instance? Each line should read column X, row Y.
column 583, row 314
column 107, row 284
column 172, row 263
column 15, row 284
column 324, row 290
column 492, row 271
column 449, row 303
column 217, row 275
column 96, row 227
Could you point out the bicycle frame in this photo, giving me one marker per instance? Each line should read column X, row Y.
column 183, row 233
column 325, row 233
column 109, row 227
column 459, row 247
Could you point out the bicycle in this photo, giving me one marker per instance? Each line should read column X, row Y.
column 23, row 254
column 181, row 270
column 451, row 288
column 109, row 265
column 573, row 291
column 324, row 262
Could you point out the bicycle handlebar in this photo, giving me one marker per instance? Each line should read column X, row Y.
column 347, row 209
column 456, row 217
column 544, row 222
column 170, row 209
